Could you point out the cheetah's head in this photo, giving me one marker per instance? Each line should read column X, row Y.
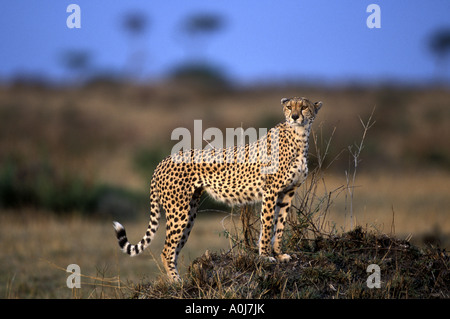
column 299, row 111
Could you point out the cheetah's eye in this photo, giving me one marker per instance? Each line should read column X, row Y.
column 288, row 107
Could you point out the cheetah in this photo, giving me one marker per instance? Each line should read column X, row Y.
column 268, row 170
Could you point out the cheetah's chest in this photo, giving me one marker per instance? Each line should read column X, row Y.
column 299, row 169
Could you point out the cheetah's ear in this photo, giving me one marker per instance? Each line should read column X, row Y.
column 284, row 100
column 317, row 106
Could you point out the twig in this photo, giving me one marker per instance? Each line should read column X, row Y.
column 356, row 154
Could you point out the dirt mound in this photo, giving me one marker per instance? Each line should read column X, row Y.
column 333, row 267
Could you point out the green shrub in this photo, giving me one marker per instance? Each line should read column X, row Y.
column 145, row 160
column 41, row 186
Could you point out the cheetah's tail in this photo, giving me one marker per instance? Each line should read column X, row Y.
column 126, row 246
column 134, row 250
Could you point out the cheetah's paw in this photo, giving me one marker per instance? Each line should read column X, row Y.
column 283, row 258
column 268, row 259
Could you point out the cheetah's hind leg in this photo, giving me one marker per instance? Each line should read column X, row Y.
column 178, row 229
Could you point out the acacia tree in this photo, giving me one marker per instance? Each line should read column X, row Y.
column 194, row 35
column 196, row 31
column 78, row 62
column 439, row 45
column 135, row 24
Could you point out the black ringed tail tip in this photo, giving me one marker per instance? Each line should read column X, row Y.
column 121, row 234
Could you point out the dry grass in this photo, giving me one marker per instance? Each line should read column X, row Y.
column 32, row 242
column 335, row 267
column 36, row 248
column 95, row 133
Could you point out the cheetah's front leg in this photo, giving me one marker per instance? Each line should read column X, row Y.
column 267, row 219
column 282, row 207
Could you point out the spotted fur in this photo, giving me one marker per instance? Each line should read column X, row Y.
column 268, row 171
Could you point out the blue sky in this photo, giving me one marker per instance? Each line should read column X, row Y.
column 261, row 40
